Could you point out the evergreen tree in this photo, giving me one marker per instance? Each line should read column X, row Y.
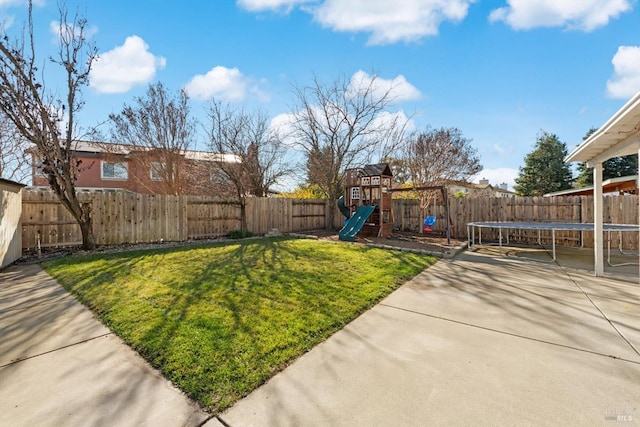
column 545, row 170
column 612, row 168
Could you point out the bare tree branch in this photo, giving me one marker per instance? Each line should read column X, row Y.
column 39, row 115
column 14, row 161
column 160, row 130
column 251, row 154
column 342, row 124
column 437, row 156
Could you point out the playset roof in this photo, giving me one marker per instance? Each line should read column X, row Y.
column 375, row 170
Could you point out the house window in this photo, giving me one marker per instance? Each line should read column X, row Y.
column 365, row 180
column 114, row 171
column 216, row 176
column 375, row 180
column 355, row 193
column 157, row 170
column 38, row 169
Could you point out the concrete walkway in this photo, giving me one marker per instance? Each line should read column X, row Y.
column 478, row 340
column 59, row 366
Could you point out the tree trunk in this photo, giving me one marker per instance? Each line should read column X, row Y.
column 243, row 214
column 331, row 214
column 88, row 239
column 86, row 227
column 81, row 212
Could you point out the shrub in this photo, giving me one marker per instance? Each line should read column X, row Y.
column 239, row 234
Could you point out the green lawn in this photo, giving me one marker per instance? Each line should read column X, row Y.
column 218, row 320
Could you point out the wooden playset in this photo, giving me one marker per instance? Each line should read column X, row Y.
column 367, row 203
column 370, row 186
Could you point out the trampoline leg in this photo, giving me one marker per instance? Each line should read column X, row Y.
column 609, row 248
column 619, row 248
column 620, row 245
column 553, row 244
column 620, row 242
column 500, row 233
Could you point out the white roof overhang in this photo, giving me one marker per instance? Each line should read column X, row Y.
column 619, row 136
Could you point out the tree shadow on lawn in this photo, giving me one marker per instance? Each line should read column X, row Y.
column 242, row 314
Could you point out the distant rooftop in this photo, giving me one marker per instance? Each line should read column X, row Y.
column 612, row 185
column 125, row 149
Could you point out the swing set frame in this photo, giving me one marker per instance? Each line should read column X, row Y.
column 445, row 196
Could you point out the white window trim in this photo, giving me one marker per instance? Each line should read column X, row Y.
column 111, row 178
column 355, row 193
column 153, row 169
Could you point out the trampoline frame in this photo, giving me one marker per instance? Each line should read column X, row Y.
column 553, row 227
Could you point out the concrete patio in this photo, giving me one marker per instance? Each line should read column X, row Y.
column 59, row 366
column 477, row 340
column 480, row 339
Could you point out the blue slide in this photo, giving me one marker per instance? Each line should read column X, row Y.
column 353, row 227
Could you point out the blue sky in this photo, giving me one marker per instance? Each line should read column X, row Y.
column 500, row 70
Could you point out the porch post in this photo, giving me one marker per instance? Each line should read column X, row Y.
column 598, row 234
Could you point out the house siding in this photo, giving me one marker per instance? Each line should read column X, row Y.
column 10, row 222
column 196, row 175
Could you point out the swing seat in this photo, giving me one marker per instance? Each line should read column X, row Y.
column 429, row 222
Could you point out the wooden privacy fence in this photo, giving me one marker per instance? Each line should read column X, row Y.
column 122, row 217
column 118, row 217
column 616, row 210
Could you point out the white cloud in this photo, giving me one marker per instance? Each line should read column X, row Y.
column 390, row 21
column 123, row 67
column 228, row 84
column 625, row 81
column 398, row 88
column 387, row 21
column 10, row 3
column 498, row 176
column 56, row 29
column 7, row 20
column 282, row 124
column 386, row 118
column 276, row 5
column 585, row 15
column 500, row 150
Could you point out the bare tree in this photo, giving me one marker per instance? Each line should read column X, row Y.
column 41, row 116
column 159, row 128
column 14, row 161
column 342, row 124
column 435, row 156
column 251, row 155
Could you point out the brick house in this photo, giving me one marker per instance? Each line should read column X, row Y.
column 109, row 166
